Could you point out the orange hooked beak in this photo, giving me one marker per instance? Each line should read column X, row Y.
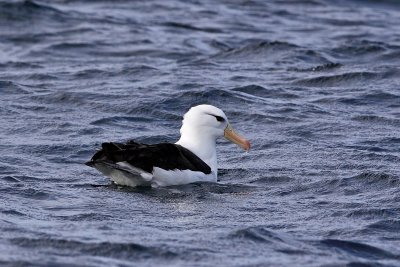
column 230, row 134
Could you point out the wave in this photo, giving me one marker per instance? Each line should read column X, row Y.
column 382, row 180
column 23, row 14
column 360, row 48
column 358, row 249
column 13, row 212
column 269, row 239
column 273, row 180
column 257, row 90
column 133, row 73
column 345, row 79
column 28, row 9
column 255, row 50
column 375, row 98
column 388, row 225
column 369, row 213
column 217, row 97
column 203, row 189
column 154, row 109
column 257, row 234
column 130, row 251
column 11, row 88
column 18, row 65
column 120, row 120
column 319, row 68
column 361, row 183
column 10, row 179
column 377, row 119
column 83, row 217
column 30, row 193
column 186, row 26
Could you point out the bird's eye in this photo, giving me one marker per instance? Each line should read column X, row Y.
column 219, row 118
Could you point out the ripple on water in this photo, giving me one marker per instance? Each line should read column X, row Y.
column 184, row 26
column 364, row 49
column 12, row 212
column 377, row 119
column 16, row 10
column 318, row 68
column 345, row 79
column 390, row 225
column 210, row 96
column 121, row 120
column 358, row 249
column 269, row 239
column 10, row 179
column 258, row 234
column 358, row 184
column 257, row 90
column 128, row 251
column 377, row 98
column 36, row 194
column 200, row 190
column 11, row 88
column 371, row 213
column 84, row 217
column 256, row 50
column 273, row 180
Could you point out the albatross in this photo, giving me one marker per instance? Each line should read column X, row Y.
column 192, row 159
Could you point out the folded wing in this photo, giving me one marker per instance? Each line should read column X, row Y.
column 136, row 161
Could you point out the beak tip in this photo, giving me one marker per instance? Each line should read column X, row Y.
column 247, row 146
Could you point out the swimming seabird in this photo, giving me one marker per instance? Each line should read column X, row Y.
column 192, row 159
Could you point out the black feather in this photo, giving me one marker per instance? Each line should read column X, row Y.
column 164, row 155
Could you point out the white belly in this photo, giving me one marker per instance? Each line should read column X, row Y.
column 132, row 176
column 163, row 177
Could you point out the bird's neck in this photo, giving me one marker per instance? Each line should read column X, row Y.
column 201, row 145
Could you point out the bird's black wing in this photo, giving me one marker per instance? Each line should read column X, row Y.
column 166, row 156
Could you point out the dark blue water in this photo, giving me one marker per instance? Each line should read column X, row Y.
column 314, row 84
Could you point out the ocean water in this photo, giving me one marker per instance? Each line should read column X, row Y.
column 314, row 84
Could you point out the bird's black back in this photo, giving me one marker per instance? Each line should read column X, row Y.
column 166, row 156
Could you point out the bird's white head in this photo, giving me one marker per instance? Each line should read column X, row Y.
column 206, row 122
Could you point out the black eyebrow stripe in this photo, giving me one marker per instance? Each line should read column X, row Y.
column 219, row 118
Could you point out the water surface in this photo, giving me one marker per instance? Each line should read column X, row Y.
column 313, row 84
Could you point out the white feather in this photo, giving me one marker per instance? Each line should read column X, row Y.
column 163, row 177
